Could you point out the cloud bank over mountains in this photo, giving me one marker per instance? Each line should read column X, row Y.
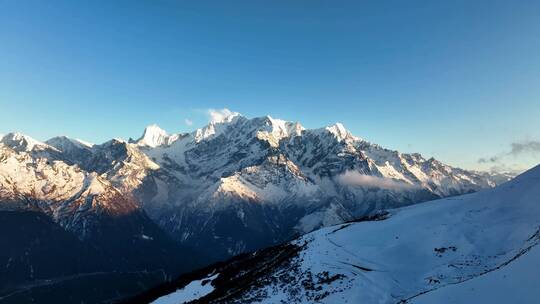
column 356, row 179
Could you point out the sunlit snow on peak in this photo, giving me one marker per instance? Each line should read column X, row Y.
column 341, row 133
column 21, row 142
column 153, row 136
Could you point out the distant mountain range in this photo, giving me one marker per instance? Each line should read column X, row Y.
column 169, row 203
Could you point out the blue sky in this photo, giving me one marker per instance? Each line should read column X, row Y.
column 457, row 80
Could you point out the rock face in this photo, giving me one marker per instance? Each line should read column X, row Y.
column 448, row 250
column 236, row 185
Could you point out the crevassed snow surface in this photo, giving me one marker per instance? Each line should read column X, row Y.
column 455, row 248
column 192, row 291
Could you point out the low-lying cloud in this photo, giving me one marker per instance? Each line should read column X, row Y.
column 357, row 179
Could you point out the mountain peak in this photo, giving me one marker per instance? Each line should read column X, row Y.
column 64, row 141
column 340, row 132
column 153, row 136
column 219, row 121
column 280, row 128
column 20, row 142
column 154, row 128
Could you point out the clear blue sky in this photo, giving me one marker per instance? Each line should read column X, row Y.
column 457, row 80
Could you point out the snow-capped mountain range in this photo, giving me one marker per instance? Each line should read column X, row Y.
column 235, row 185
column 480, row 247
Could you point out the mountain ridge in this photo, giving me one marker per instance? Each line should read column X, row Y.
column 256, row 178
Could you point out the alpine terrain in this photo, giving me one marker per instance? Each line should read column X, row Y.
column 480, row 246
column 149, row 209
column 241, row 184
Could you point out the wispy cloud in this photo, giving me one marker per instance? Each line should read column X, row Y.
column 188, row 122
column 525, row 147
column 531, row 147
column 220, row 115
column 357, row 179
column 488, row 160
column 517, row 149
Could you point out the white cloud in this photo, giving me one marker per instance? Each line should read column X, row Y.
column 223, row 115
column 188, row 122
column 356, row 179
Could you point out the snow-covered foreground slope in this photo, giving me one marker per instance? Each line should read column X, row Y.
column 193, row 291
column 456, row 249
column 425, row 247
column 515, row 283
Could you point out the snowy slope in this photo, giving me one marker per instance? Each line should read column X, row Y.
column 515, row 283
column 192, row 291
column 455, row 249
